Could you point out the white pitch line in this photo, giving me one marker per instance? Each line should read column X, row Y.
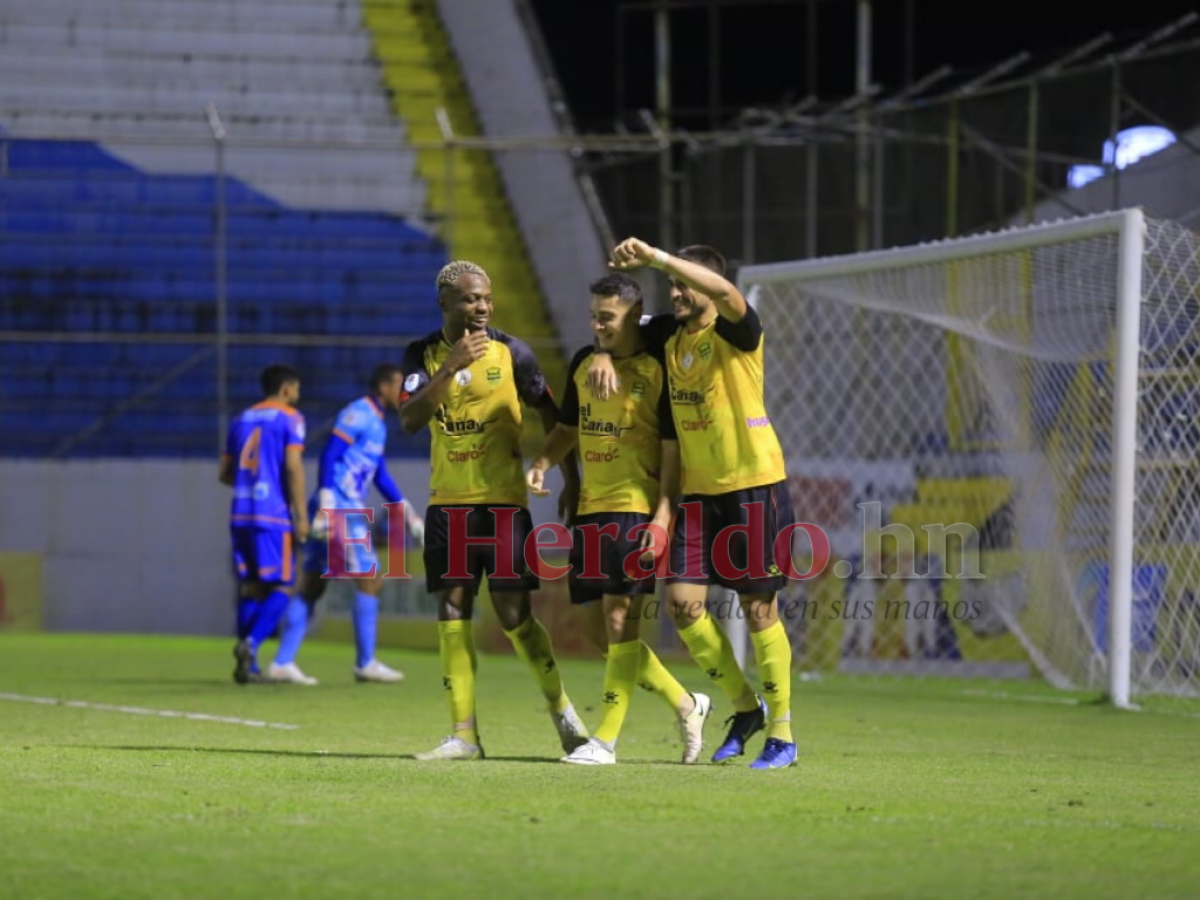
column 1072, row 701
column 142, row 711
column 1024, row 698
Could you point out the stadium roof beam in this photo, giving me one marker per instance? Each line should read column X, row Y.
column 997, row 71
column 851, row 103
column 1139, row 47
column 920, row 86
column 796, row 112
column 1071, row 57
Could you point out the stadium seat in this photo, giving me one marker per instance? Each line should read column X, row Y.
column 326, row 225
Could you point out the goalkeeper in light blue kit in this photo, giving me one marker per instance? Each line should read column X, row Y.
column 352, row 460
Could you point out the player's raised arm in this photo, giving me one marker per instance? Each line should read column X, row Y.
column 633, row 253
column 424, row 393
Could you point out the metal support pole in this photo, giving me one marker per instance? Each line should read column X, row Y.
column 952, row 139
column 220, row 276
column 714, row 67
column 878, row 184
column 619, row 63
column 749, row 177
column 862, row 154
column 910, row 27
column 1031, row 144
column 447, row 130
column 1114, row 127
column 811, row 186
column 811, row 54
column 662, row 95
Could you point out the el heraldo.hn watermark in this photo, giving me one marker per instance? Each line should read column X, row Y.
column 885, row 553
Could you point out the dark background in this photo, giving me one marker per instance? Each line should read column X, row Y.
column 763, row 47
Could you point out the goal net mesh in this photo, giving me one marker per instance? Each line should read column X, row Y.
column 953, row 419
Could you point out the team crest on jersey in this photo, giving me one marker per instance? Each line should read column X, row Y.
column 638, row 390
column 411, row 382
column 493, row 374
column 462, row 377
column 705, row 350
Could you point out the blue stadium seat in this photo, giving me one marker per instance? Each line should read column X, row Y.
column 88, row 243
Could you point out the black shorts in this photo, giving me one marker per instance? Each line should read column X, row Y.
column 595, row 552
column 470, row 562
column 700, row 555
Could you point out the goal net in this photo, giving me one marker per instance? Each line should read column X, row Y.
column 1014, row 419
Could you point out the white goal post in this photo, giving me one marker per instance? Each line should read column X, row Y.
column 1033, row 393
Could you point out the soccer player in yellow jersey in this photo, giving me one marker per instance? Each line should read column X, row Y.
column 467, row 382
column 735, row 498
column 630, row 462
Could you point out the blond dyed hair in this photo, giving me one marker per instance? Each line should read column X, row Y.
column 452, row 271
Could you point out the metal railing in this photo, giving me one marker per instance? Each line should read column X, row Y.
column 781, row 184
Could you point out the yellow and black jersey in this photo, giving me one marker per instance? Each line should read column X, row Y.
column 476, row 433
column 620, row 439
column 715, row 374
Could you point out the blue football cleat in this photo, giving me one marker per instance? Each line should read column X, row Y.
column 742, row 726
column 776, row 754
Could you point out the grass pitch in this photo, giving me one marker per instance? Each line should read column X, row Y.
column 904, row 789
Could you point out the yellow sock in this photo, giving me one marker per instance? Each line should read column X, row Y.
column 456, row 645
column 532, row 644
column 652, row 675
column 620, row 676
column 711, row 650
column 773, row 652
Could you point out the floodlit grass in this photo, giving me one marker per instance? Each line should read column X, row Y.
column 904, row 789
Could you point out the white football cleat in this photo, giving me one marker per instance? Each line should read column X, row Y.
column 453, row 748
column 691, row 728
column 377, row 671
column 571, row 730
column 593, row 753
column 289, row 673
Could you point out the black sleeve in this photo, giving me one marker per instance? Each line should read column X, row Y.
column 568, row 413
column 666, row 421
column 656, row 331
column 745, row 335
column 413, row 367
column 531, row 383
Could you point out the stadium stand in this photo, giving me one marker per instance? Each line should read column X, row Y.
column 422, row 75
column 326, row 233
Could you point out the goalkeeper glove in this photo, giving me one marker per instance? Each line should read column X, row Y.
column 320, row 522
column 416, row 526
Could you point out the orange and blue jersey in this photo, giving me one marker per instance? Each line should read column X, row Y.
column 353, row 457
column 257, row 443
